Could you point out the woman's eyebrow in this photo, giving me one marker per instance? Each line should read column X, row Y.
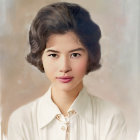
column 55, row 51
column 78, row 49
column 50, row 50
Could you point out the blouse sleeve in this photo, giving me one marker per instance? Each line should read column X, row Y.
column 116, row 128
column 15, row 131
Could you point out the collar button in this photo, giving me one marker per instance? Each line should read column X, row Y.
column 58, row 116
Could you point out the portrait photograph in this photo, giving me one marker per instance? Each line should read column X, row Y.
column 70, row 70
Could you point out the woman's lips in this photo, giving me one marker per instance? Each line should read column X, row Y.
column 65, row 79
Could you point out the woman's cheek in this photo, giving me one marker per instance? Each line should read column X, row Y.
column 81, row 67
column 51, row 69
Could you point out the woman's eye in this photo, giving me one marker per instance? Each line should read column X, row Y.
column 53, row 55
column 75, row 55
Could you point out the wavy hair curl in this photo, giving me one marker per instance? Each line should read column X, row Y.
column 59, row 18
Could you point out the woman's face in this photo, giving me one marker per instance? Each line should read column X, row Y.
column 65, row 61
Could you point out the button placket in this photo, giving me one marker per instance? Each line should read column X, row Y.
column 66, row 122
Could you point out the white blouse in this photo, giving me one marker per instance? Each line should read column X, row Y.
column 89, row 118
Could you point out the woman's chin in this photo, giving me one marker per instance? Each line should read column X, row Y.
column 67, row 87
column 64, row 86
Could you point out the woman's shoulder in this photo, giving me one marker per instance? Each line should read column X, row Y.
column 24, row 112
column 23, row 120
column 105, row 107
column 109, row 114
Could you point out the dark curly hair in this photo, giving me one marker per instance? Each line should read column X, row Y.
column 59, row 18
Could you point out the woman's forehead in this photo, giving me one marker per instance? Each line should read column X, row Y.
column 69, row 37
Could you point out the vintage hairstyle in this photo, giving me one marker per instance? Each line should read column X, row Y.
column 59, row 18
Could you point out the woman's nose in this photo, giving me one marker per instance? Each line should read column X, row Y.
column 65, row 65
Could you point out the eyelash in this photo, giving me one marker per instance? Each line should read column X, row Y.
column 77, row 54
column 52, row 55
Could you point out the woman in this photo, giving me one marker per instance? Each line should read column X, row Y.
column 65, row 45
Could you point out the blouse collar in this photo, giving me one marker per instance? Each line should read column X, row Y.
column 47, row 110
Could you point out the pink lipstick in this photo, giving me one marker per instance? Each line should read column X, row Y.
column 65, row 79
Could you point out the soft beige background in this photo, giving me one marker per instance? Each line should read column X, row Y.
column 118, row 79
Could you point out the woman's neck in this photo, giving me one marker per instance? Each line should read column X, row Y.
column 63, row 99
